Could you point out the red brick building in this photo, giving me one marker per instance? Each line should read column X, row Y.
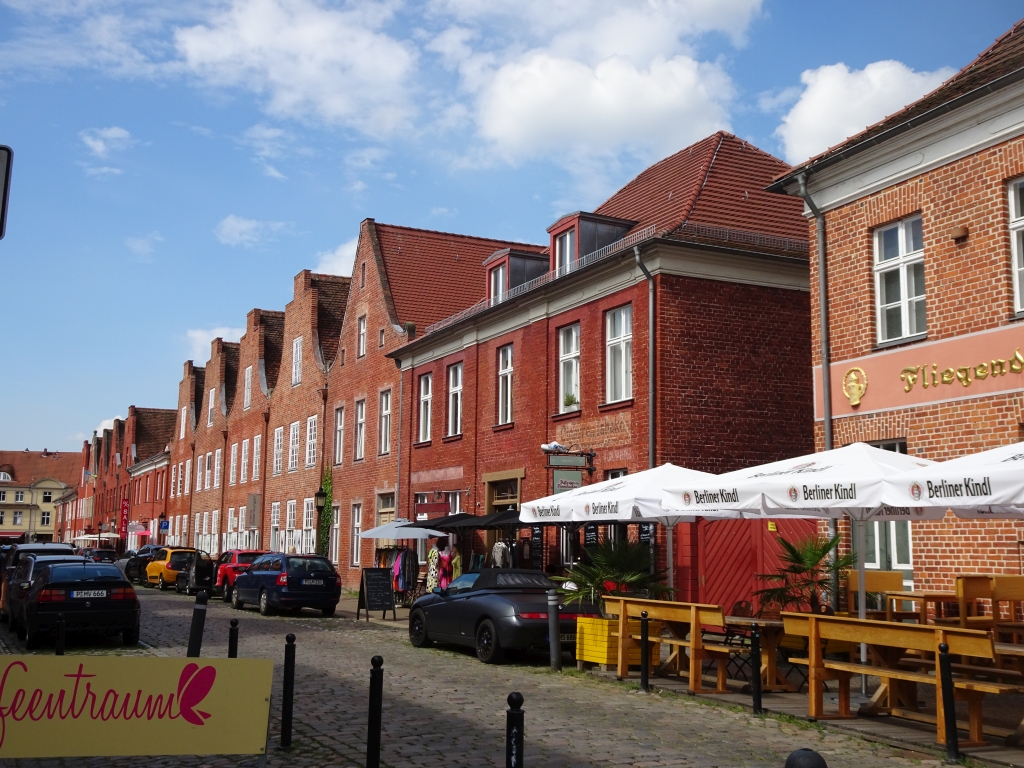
column 923, row 218
column 191, row 393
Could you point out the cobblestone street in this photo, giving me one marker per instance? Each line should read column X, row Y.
column 443, row 707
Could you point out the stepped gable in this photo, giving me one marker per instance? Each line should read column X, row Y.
column 26, row 467
column 432, row 275
column 154, row 429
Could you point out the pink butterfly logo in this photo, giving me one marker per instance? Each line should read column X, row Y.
column 193, row 686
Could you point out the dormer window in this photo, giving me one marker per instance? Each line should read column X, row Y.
column 4, row 477
column 499, row 282
column 565, row 251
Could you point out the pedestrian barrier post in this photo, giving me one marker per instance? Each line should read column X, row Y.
column 514, row 723
column 373, row 721
column 61, row 632
column 645, row 653
column 233, row 640
column 755, row 668
column 948, row 710
column 554, row 634
column 805, row 758
column 288, row 691
column 195, row 633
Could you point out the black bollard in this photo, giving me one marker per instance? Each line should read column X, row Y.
column 755, row 667
column 233, row 640
column 948, row 706
column 288, row 691
column 61, row 632
column 195, row 633
column 515, row 721
column 373, row 721
column 805, row 758
column 554, row 631
column 645, row 653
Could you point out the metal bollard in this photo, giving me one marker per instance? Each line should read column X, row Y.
column 755, row 668
column 515, row 722
column 645, row 653
column 373, row 721
column 195, row 633
column 288, row 691
column 805, row 758
column 554, row 631
column 61, row 632
column 233, row 640
column 948, row 706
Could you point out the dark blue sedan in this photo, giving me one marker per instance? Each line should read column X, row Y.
column 288, row 582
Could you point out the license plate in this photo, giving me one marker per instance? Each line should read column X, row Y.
column 312, row 582
column 88, row 593
column 567, row 638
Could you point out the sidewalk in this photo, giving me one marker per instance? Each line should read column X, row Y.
column 349, row 602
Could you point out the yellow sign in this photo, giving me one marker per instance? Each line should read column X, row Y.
column 855, row 384
column 96, row 706
column 965, row 374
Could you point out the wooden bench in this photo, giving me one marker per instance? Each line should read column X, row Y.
column 684, row 622
column 889, row 643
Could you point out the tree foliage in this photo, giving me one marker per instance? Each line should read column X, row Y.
column 807, row 575
column 613, row 569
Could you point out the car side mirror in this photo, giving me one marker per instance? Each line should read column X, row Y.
column 437, row 591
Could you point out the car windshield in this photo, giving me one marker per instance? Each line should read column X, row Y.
column 308, row 564
column 179, row 560
column 84, row 572
column 523, row 580
column 247, row 558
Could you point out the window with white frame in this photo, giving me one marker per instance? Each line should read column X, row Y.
column 426, row 398
column 243, row 475
column 499, row 283
column 505, row 384
column 421, row 544
column 569, row 368
column 247, row 388
column 233, row 466
column 188, row 477
column 199, row 473
column 44, row 517
column 455, row 399
column 335, row 533
column 384, row 427
column 212, row 468
column 278, row 449
column 361, row 336
column 18, row 517
column 568, row 544
column 293, row 446
column 339, row 435
column 619, row 360
column 209, row 407
column 214, row 541
column 181, row 432
column 380, row 338
column 1017, row 242
column 232, row 522
column 899, row 280
column 296, row 361
column 275, row 526
column 311, row 439
column 360, row 446
column 308, row 527
column 565, row 251
column 356, row 528
column 454, row 502
column 174, row 478
column 257, row 444
column 289, row 522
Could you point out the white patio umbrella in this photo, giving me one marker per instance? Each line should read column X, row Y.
column 400, row 529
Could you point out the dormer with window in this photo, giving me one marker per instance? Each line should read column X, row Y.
column 577, row 235
column 508, row 269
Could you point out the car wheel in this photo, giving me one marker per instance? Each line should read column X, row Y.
column 265, row 609
column 31, row 638
column 328, row 611
column 418, row 630
column 177, row 587
column 487, row 648
column 130, row 636
column 226, row 595
column 161, row 583
column 236, row 601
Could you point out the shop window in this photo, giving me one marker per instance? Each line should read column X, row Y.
column 619, row 362
column 1017, row 242
column 569, row 368
column 899, row 280
column 505, row 384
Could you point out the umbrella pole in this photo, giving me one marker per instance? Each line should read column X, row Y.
column 671, row 565
column 859, row 527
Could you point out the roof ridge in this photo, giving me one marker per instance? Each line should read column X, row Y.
column 707, row 172
column 456, row 234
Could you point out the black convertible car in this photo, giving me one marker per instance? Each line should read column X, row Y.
column 493, row 611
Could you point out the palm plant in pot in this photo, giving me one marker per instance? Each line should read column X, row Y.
column 808, row 574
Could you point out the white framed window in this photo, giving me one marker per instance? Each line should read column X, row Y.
column 174, row 478
column 361, row 336
column 257, row 444
column 339, row 434
column 569, row 368
column 289, row 522
column 241, row 518
column 184, row 415
column 335, row 534
column 565, row 252
column 360, row 429
column 214, row 540
column 568, row 544
column 1017, row 242
column 380, row 338
column 899, row 280
column 499, row 283
column 384, row 432
column 426, row 399
column 454, row 502
column 619, row 360
column 18, row 514
column 247, row 388
column 209, row 407
column 293, row 446
column 311, row 439
column 233, row 466
column 243, row 475
column 44, row 517
column 199, row 472
column 296, row 361
column 188, row 476
column 275, row 525
column 362, row 275
column 455, row 399
column 210, row 479
column 231, row 520
column 505, row 384
column 356, row 528
column 308, row 527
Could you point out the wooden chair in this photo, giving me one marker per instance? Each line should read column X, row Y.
column 1010, row 590
column 874, row 582
column 969, row 590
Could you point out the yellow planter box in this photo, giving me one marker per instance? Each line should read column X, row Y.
column 596, row 640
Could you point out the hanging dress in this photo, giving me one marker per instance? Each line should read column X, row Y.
column 456, row 565
column 433, row 557
column 445, row 570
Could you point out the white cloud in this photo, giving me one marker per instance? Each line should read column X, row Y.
column 103, row 170
column 235, row 230
column 439, row 211
column 339, row 261
column 143, row 246
column 107, row 424
column 838, row 102
column 265, row 140
column 198, row 339
column 99, row 141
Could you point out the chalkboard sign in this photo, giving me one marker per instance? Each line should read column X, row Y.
column 647, row 532
column 537, row 547
column 376, row 593
column 590, row 535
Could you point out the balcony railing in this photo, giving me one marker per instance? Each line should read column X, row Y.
column 742, row 236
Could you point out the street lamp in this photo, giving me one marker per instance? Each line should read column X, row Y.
column 320, row 499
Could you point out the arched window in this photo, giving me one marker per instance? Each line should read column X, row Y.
column 4, row 477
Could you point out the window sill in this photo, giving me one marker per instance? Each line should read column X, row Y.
column 616, row 406
column 567, row 416
column 502, row 427
column 422, row 444
column 899, row 342
column 1017, row 316
column 382, row 455
column 451, row 438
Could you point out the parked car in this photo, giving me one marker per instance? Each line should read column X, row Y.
column 162, row 571
column 135, row 567
column 13, row 560
column 100, row 554
column 288, row 582
column 230, row 564
column 197, row 575
column 92, row 597
column 493, row 611
column 27, row 572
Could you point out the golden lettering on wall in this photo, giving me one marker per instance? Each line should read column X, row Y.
column 855, row 384
column 933, row 377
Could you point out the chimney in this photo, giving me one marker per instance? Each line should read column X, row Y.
column 410, row 330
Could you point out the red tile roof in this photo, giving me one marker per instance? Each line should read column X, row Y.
column 719, row 181
column 433, row 275
column 27, row 467
column 1004, row 57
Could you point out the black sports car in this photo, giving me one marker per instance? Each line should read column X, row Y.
column 493, row 611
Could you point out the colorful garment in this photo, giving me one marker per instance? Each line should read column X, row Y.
column 444, row 577
column 456, row 565
column 433, row 558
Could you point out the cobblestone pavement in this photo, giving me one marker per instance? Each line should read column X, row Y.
column 442, row 707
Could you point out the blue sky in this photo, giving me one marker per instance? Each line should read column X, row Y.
column 177, row 163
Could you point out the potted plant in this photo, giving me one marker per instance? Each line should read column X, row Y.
column 808, row 574
column 570, row 402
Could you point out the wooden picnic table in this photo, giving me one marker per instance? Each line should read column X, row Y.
column 772, row 631
column 922, row 598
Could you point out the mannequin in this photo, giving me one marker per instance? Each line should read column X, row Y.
column 433, row 563
column 444, row 577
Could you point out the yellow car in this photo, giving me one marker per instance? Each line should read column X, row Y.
column 162, row 571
